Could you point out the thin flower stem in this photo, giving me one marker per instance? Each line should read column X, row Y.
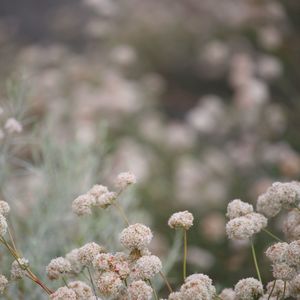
column 154, row 291
column 284, row 288
column 184, row 252
column 121, row 211
column 65, row 281
column 165, row 279
column 92, row 282
column 30, row 274
column 272, row 235
column 255, row 261
column 12, row 239
column 272, row 290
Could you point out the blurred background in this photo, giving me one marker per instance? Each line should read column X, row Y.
column 200, row 99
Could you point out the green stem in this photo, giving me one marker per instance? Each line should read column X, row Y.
column 255, row 261
column 272, row 235
column 184, row 252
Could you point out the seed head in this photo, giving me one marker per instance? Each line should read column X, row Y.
column 277, row 253
column 81, row 289
column 136, row 236
column 248, row 289
column 4, row 208
column 88, row 252
column 237, row 208
column 182, row 219
column 283, row 271
column 146, row 267
column 3, row 225
column 82, row 205
column 3, row 283
column 57, row 267
column 139, row 290
column 18, row 268
column 109, row 284
column 63, row 293
column 124, row 180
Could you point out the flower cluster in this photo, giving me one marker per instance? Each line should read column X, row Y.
column 243, row 223
column 100, row 196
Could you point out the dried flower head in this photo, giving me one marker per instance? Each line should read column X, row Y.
column 63, row 293
column 227, row 294
column 13, row 126
column 197, row 288
column 3, row 283
column 57, row 267
column 72, row 257
column 18, row 268
column 175, row 296
column 182, row 219
column 3, row 225
column 295, row 286
column 277, row 196
column 242, row 228
column 97, row 191
column 109, row 284
column 88, row 252
column 4, row 208
column 293, row 253
column 237, row 208
column 106, row 199
column 81, row 289
column 249, row 288
column 291, row 225
column 82, row 205
column 283, row 271
column 277, row 253
column 124, row 180
column 117, row 263
column 136, row 236
column 278, row 288
column 146, row 267
column 139, row 290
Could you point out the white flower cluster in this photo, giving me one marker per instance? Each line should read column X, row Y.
column 195, row 286
column 278, row 196
column 100, row 196
column 4, row 210
column 182, row 219
column 284, row 256
column 243, row 223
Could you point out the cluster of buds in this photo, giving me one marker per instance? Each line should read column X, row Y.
column 278, row 196
column 244, row 222
column 100, row 196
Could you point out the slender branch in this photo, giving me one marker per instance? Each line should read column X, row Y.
column 92, row 282
column 284, row 288
column 30, row 274
column 154, row 291
column 165, row 279
column 255, row 261
column 121, row 211
column 272, row 235
column 184, row 252
column 272, row 290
